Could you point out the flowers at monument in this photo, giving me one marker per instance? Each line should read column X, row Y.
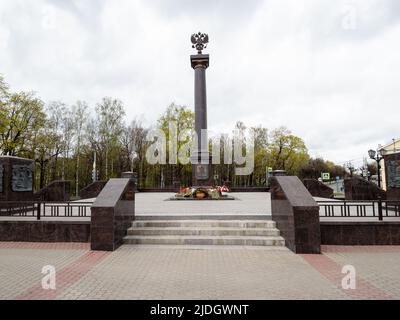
column 203, row 192
column 222, row 189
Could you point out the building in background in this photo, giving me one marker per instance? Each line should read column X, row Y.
column 390, row 168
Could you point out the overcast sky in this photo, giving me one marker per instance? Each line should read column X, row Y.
column 327, row 70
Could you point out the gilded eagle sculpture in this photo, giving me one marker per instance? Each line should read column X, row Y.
column 199, row 41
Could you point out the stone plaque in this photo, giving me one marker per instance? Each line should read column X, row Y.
column 202, row 171
column 393, row 174
column 22, row 179
column 1, row 177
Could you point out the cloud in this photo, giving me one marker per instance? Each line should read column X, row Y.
column 326, row 70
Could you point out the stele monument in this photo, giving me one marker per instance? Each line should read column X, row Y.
column 200, row 158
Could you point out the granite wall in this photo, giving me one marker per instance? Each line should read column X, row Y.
column 318, row 189
column 296, row 214
column 59, row 190
column 249, row 189
column 360, row 233
column 357, row 188
column 92, row 190
column 45, row 231
column 167, row 189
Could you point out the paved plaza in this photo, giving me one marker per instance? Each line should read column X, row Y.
column 255, row 203
column 167, row 272
column 197, row 272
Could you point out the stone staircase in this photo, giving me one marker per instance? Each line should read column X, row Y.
column 204, row 232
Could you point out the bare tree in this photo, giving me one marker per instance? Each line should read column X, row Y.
column 110, row 114
column 79, row 114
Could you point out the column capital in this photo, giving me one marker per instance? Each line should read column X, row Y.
column 200, row 60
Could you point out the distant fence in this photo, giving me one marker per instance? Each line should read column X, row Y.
column 43, row 209
column 379, row 209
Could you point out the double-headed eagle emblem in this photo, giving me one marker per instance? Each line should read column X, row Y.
column 199, row 41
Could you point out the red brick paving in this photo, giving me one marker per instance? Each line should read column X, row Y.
column 65, row 277
column 333, row 272
column 73, row 272
column 361, row 249
column 45, row 246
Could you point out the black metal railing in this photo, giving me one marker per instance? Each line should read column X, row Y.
column 43, row 209
column 359, row 209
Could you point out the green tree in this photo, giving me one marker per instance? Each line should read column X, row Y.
column 3, row 109
column 3, row 89
column 43, row 145
column 260, row 135
column 133, row 141
column 79, row 114
column 22, row 115
column 287, row 151
column 314, row 167
column 57, row 112
column 110, row 114
column 184, row 119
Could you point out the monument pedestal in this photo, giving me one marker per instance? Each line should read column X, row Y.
column 202, row 170
column 16, row 179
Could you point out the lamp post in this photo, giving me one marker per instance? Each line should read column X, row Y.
column 377, row 156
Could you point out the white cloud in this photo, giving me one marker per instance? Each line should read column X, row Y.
column 303, row 64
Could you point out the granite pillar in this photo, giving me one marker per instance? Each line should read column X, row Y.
column 279, row 173
column 131, row 175
column 201, row 159
column 296, row 214
column 112, row 214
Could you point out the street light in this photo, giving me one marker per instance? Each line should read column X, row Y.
column 372, row 154
column 377, row 157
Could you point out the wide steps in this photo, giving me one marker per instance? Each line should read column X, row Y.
column 204, row 232
column 204, row 223
column 192, row 231
column 205, row 240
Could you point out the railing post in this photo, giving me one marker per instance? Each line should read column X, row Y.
column 38, row 211
column 380, row 213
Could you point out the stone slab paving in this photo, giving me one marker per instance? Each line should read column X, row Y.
column 245, row 203
column 21, row 263
column 193, row 272
column 382, row 274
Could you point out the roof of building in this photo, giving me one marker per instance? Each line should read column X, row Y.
column 397, row 149
column 391, row 143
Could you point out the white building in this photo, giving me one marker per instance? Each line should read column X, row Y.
column 391, row 148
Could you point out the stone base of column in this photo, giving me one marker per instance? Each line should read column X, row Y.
column 202, row 170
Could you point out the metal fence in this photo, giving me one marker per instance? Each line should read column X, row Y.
column 359, row 209
column 43, row 209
